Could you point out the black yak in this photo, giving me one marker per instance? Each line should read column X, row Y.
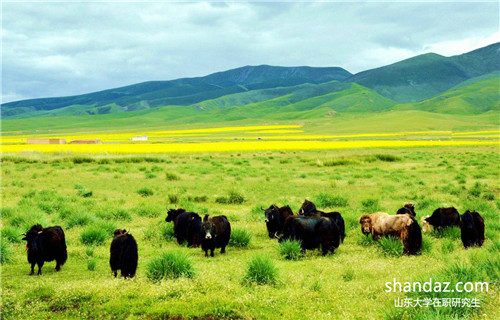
column 409, row 209
column 216, row 232
column 45, row 244
column 123, row 254
column 312, row 232
column 444, row 217
column 308, row 209
column 187, row 226
column 472, row 229
column 275, row 219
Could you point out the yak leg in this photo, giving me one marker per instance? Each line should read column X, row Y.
column 58, row 266
column 180, row 238
column 325, row 246
column 211, row 252
column 32, row 269
column 223, row 249
column 206, row 253
column 40, row 265
column 115, row 272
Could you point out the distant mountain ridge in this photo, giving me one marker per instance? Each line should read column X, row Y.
column 429, row 82
column 183, row 91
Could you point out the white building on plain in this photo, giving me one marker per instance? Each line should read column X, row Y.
column 140, row 138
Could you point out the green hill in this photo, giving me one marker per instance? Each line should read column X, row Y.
column 474, row 97
column 175, row 92
column 425, row 76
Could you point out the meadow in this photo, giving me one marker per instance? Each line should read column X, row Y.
column 92, row 194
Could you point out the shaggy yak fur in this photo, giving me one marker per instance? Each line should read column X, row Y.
column 312, row 232
column 401, row 226
column 216, row 232
column 409, row 209
column 123, row 254
column 45, row 244
column 187, row 226
column 275, row 219
column 308, row 209
column 472, row 229
column 444, row 217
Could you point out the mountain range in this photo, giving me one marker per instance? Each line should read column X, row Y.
column 462, row 84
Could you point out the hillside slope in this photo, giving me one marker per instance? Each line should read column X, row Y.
column 175, row 92
column 472, row 98
column 425, row 76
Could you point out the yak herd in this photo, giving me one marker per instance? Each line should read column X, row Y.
column 314, row 229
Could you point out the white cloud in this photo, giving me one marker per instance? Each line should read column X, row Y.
column 450, row 48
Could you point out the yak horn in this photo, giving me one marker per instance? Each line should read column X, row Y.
column 262, row 209
column 23, row 234
column 40, row 232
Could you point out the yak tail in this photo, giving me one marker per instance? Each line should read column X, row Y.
column 129, row 257
column 337, row 236
column 479, row 225
column 64, row 256
column 412, row 238
column 64, row 252
column 341, row 225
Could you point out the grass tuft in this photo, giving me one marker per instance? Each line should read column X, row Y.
column 261, row 270
column 145, row 192
column 390, row 246
column 239, row 238
column 5, row 252
column 91, row 264
column 234, row 197
column 93, row 236
column 290, row 250
column 79, row 219
column 325, row 200
column 11, row 234
column 170, row 265
column 171, row 176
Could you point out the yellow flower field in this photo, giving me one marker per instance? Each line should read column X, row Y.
column 251, row 133
column 127, row 136
column 231, row 146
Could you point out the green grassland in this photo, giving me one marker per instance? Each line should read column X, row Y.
column 106, row 192
column 320, row 121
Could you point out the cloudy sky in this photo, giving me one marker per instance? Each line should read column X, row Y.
column 61, row 48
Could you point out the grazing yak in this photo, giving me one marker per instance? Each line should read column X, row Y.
column 444, row 217
column 187, row 226
column 216, row 232
column 45, row 244
column 472, row 229
column 401, row 226
column 275, row 219
column 312, row 232
column 123, row 254
column 409, row 209
column 309, row 209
